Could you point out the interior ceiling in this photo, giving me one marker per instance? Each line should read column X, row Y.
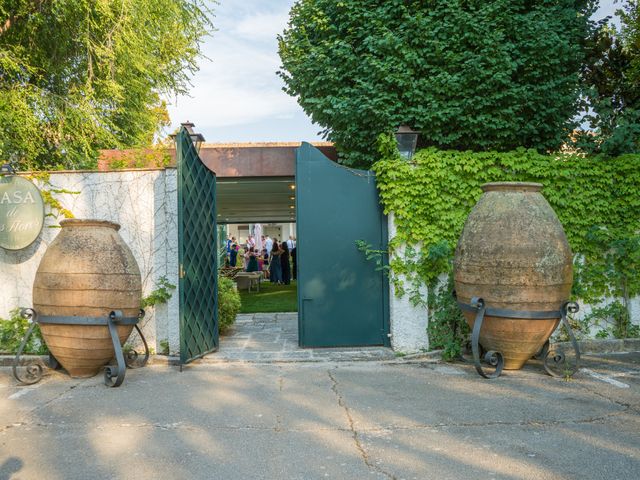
column 256, row 200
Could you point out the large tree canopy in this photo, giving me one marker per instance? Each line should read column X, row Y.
column 79, row 75
column 470, row 74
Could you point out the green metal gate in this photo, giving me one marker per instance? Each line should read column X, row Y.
column 342, row 299
column 197, row 233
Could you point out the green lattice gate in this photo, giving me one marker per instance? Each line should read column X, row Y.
column 197, row 252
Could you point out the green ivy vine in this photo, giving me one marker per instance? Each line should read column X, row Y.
column 49, row 192
column 597, row 200
column 161, row 294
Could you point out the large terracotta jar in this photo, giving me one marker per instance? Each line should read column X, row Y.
column 513, row 253
column 87, row 271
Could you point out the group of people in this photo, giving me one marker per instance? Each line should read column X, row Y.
column 277, row 260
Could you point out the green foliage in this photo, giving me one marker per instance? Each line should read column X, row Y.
column 612, row 320
column 630, row 32
column 611, row 76
column 228, row 303
column 616, row 273
column 161, row 294
column 157, row 157
column 13, row 330
column 597, row 201
column 474, row 75
column 379, row 257
column 164, row 347
column 49, row 192
column 80, row 75
column 447, row 327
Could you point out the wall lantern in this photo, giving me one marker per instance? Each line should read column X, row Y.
column 407, row 140
column 7, row 169
column 196, row 138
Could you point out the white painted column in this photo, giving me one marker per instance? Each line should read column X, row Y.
column 408, row 323
column 171, row 259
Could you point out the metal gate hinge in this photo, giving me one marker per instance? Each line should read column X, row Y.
column 181, row 271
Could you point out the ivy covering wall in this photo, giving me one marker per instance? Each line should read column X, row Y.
column 597, row 201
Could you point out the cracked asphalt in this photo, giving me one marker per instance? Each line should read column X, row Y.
column 344, row 420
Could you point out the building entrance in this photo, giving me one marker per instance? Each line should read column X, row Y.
column 342, row 298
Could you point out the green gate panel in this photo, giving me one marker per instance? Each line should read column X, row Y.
column 342, row 299
column 197, row 231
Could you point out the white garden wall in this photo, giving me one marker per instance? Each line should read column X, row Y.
column 144, row 203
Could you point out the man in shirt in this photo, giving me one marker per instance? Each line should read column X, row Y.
column 268, row 244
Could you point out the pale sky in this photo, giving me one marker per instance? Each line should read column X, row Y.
column 236, row 95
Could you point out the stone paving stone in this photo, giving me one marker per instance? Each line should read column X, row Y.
column 273, row 337
column 264, row 317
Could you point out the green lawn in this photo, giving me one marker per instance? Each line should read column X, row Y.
column 271, row 298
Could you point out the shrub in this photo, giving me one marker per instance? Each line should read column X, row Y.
column 228, row 303
column 12, row 332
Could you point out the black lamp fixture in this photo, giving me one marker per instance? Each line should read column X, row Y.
column 196, row 138
column 9, row 167
column 407, row 139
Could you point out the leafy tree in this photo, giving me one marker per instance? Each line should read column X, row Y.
column 80, row 75
column 612, row 77
column 630, row 32
column 470, row 74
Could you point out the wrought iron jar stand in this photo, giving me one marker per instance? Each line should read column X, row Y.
column 554, row 360
column 32, row 371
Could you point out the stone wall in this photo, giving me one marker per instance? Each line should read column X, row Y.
column 144, row 203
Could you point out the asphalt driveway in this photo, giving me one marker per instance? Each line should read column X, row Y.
column 316, row 420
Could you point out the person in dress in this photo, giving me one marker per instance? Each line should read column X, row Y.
column 284, row 262
column 245, row 257
column 294, row 262
column 275, row 267
column 233, row 253
column 228, row 245
column 252, row 261
column 265, row 263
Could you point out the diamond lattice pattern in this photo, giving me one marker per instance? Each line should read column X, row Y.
column 197, row 235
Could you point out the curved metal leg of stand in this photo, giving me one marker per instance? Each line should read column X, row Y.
column 493, row 358
column 53, row 362
column 544, row 351
column 33, row 370
column 555, row 362
column 132, row 357
column 115, row 371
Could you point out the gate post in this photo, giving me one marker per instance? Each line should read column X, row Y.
column 408, row 322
